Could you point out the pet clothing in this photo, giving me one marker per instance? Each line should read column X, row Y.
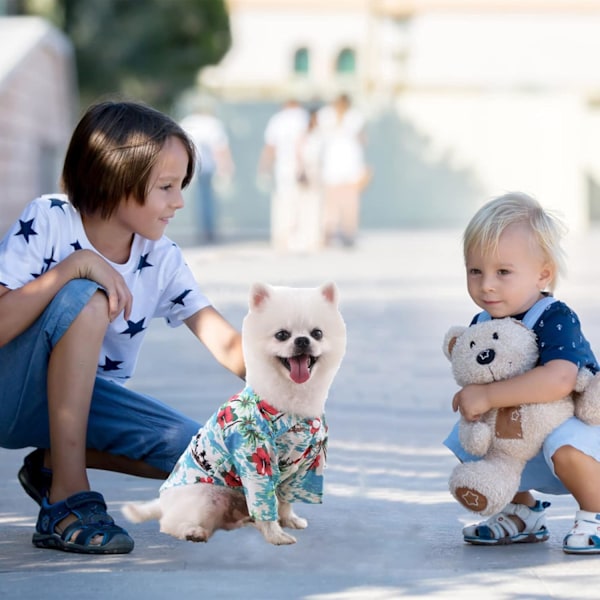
column 249, row 444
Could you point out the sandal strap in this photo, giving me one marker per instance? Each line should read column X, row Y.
column 501, row 525
column 89, row 507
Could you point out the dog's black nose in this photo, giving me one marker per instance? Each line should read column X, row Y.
column 485, row 357
column 302, row 342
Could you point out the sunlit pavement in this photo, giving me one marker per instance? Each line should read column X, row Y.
column 388, row 527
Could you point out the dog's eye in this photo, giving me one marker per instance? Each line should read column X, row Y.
column 283, row 335
column 317, row 334
column 472, row 345
column 495, row 336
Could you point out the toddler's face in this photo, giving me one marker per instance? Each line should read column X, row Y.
column 509, row 281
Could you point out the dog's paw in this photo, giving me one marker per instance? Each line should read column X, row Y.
column 293, row 521
column 196, row 534
column 273, row 533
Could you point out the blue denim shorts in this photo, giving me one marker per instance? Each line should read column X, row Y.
column 121, row 421
column 539, row 471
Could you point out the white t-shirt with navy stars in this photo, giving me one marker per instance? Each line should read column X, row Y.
column 161, row 283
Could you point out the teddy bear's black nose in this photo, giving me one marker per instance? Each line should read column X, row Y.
column 485, row 357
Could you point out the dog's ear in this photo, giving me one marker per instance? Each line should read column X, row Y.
column 259, row 292
column 330, row 293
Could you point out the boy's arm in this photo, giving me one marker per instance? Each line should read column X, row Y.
column 223, row 341
column 20, row 307
column 546, row 383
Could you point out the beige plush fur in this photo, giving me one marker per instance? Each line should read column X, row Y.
column 505, row 439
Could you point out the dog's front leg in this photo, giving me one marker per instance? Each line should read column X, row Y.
column 273, row 533
column 288, row 518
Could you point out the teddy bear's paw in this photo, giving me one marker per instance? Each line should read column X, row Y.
column 471, row 499
column 587, row 409
column 475, row 437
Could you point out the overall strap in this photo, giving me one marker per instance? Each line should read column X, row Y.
column 531, row 316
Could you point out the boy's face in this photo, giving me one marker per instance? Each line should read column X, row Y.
column 508, row 282
column 164, row 195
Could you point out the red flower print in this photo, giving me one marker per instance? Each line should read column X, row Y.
column 224, row 416
column 316, row 463
column 232, row 479
column 266, row 410
column 205, row 480
column 315, row 425
column 262, row 460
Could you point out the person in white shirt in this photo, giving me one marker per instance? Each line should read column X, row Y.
column 279, row 157
column 81, row 277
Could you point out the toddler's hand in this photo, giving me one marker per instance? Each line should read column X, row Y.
column 472, row 402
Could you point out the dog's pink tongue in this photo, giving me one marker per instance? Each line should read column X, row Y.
column 299, row 368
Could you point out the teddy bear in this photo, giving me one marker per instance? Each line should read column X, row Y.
column 505, row 438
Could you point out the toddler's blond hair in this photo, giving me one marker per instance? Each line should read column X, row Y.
column 488, row 223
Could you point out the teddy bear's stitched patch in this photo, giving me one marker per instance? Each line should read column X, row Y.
column 509, row 425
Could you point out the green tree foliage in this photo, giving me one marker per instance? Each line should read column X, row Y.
column 145, row 49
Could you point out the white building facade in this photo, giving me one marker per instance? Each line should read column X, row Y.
column 487, row 95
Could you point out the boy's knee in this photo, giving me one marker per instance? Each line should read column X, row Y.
column 96, row 310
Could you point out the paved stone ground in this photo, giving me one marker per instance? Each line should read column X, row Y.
column 388, row 527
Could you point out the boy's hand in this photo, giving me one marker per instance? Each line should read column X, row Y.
column 472, row 401
column 89, row 265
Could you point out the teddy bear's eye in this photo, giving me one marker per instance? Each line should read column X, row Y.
column 495, row 336
column 472, row 345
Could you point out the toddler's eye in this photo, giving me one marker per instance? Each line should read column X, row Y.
column 283, row 335
column 317, row 334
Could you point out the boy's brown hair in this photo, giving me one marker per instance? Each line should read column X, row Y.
column 112, row 152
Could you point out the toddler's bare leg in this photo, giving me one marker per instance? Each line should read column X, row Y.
column 580, row 474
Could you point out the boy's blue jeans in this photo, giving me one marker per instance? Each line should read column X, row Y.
column 121, row 421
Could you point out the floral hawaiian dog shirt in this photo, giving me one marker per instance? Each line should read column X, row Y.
column 249, row 444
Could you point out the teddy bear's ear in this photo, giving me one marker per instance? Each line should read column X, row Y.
column 450, row 339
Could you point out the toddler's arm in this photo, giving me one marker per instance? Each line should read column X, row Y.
column 20, row 307
column 545, row 383
column 220, row 337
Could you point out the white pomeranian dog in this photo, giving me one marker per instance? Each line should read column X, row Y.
column 265, row 448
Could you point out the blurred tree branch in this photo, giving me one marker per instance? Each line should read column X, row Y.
column 150, row 51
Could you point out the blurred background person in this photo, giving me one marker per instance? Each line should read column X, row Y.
column 345, row 173
column 215, row 164
column 279, row 160
column 308, row 231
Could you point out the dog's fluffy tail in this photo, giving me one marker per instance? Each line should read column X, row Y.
column 136, row 512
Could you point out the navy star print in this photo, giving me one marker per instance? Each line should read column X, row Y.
column 134, row 328
column 26, row 229
column 179, row 299
column 57, row 202
column 76, row 245
column 110, row 365
column 48, row 261
column 143, row 262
